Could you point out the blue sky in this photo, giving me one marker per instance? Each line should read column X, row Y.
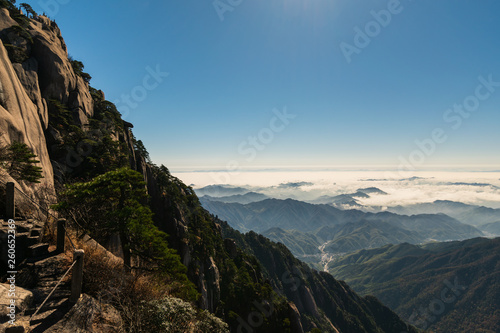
column 227, row 76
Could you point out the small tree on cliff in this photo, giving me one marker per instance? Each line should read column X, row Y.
column 78, row 67
column 114, row 203
column 20, row 163
column 29, row 10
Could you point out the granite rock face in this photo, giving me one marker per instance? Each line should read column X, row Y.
column 39, row 72
column 19, row 116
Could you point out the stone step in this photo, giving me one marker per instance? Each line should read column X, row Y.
column 32, row 241
column 21, row 326
column 38, row 250
column 35, row 232
column 22, row 228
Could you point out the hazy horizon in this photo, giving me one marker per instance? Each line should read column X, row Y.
column 478, row 188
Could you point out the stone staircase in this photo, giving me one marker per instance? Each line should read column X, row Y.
column 29, row 235
column 38, row 272
column 48, row 281
column 39, row 276
column 47, row 273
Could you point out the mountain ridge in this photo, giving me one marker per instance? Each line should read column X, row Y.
column 410, row 279
column 325, row 221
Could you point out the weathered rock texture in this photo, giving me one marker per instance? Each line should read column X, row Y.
column 19, row 116
column 26, row 87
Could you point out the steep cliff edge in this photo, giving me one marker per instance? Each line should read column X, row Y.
column 76, row 133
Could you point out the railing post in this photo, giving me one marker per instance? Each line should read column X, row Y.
column 77, row 276
column 61, row 233
column 10, row 202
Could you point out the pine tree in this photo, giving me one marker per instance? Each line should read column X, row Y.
column 115, row 203
column 21, row 163
column 29, row 10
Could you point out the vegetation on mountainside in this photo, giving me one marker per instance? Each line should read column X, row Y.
column 146, row 302
column 299, row 243
column 9, row 4
column 294, row 278
column 85, row 154
column 15, row 12
column 141, row 149
column 20, row 162
column 456, row 280
column 113, row 203
column 243, row 288
column 29, row 10
column 17, row 40
column 78, row 67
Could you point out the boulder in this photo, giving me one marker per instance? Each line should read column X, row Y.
column 23, row 298
column 88, row 315
column 5, row 20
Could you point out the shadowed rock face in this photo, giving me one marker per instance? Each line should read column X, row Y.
column 27, row 72
column 57, row 78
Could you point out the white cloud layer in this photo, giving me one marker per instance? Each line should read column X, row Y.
column 424, row 186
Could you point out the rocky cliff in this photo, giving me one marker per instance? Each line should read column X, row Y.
column 76, row 133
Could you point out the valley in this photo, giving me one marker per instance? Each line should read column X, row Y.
column 426, row 261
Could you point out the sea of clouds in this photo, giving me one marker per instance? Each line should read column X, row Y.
column 477, row 188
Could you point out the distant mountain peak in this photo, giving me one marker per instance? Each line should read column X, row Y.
column 372, row 190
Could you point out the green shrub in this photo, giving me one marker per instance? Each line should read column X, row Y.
column 78, row 67
column 16, row 54
column 19, row 31
column 28, row 9
column 174, row 315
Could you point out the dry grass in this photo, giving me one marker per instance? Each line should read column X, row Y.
column 106, row 279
